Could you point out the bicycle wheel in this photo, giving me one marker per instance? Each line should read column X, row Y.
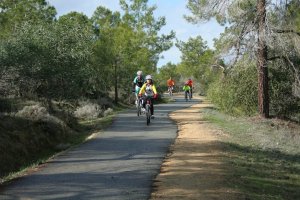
column 138, row 108
column 148, row 114
column 185, row 95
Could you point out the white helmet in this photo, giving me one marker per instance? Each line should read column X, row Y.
column 148, row 77
column 139, row 73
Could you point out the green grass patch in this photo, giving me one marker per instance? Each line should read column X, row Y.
column 263, row 155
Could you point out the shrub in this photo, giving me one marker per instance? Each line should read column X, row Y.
column 282, row 101
column 107, row 112
column 88, row 110
column 34, row 112
column 236, row 93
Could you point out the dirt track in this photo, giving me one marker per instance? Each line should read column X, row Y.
column 194, row 168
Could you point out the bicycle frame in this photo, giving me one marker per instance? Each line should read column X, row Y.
column 187, row 95
column 148, row 109
column 170, row 90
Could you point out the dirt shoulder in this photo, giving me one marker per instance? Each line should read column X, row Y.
column 194, row 168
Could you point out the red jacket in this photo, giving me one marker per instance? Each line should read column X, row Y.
column 190, row 83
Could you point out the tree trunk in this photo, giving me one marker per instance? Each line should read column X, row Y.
column 263, row 85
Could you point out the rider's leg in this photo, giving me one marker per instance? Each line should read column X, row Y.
column 136, row 98
column 137, row 90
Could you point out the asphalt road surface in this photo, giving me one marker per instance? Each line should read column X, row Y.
column 119, row 163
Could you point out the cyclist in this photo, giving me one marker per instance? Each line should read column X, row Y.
column 148, row 90
column 186, row 88
column 170, row 84
column 137, row 84
column 190, row 83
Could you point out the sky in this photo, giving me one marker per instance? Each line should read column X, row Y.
column 172, row 10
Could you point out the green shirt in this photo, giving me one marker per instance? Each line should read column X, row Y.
column 186, row 88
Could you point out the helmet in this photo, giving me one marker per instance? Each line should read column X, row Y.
column 190, row 79
column 139, row 73
column 148, row 77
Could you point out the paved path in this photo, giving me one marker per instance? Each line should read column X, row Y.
column 119, row 163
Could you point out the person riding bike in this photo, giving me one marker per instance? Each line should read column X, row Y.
column 190, row 83
column 170, row 84
column 148, row 90
column 138, row 82
column 186, row 88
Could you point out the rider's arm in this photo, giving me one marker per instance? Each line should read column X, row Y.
column 143, row 88
column 154, row 89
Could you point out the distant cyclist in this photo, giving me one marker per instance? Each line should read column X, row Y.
column 190, row 83
column 186, row 88
column 148, row 90
column 170, row 84
column 138, row 82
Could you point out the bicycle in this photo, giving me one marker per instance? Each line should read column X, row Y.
column 139, row 105
column 170, row 90
column 187, row 95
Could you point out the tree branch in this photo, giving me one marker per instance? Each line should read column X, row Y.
column 286, row 31
column 295, row 70
column 274, row 58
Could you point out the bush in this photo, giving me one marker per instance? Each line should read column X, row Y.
column 107, row 112
column 236, row 93
column 34, row 112
column 88, row 110
column 282, row 101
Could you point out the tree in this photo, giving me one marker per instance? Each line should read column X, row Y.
column 140, row 17
column 15, row 12
column 51, row 60
column 112, row 47
column 197, row 60
column 252, row 30
column 263, row 85
column 128, row 43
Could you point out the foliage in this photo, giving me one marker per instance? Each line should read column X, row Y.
column 239, row 42
column 51, row 59
column 14, row 12
column 197, row 61
column 283, row 102
column 126, row 44
column 164, row 73
column 236, row 92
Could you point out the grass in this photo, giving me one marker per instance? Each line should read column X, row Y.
column 263, row 155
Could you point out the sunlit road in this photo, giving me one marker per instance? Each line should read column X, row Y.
column 119, row 163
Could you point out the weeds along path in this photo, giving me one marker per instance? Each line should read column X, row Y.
column 194, row 168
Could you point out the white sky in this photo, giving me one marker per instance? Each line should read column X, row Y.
column 173, row 10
